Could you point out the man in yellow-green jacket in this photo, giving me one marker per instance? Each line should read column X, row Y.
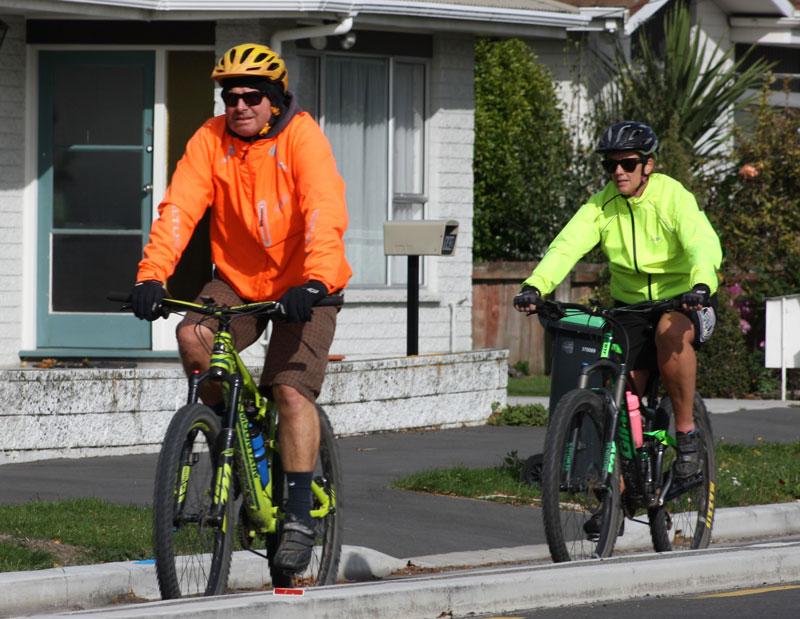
column 659, row 245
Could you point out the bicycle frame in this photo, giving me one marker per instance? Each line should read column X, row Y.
column 638, row 463
column 227, row 368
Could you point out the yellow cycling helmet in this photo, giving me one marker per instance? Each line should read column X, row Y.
column 252, row 59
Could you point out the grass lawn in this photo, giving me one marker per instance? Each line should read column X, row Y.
column 746, row 475
column 529, row 386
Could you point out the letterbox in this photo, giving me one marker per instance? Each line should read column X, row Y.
column 427, row 237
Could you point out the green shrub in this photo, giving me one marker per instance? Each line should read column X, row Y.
column 755, row 208
column 522, row 157
column 724, row 362
column 518, row 415
column 523, row 367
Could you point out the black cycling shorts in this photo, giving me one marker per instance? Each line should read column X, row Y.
column 641, row 327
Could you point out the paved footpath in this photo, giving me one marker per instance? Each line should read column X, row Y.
column 384, row 528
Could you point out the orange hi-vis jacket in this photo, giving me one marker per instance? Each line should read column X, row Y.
column 278, row 210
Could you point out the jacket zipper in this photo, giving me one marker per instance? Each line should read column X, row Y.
column 635, row 261
column 263, row 224
column 633, row 236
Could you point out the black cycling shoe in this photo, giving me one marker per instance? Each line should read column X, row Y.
column 687, row 465
column 297, row 544
column 592, row 527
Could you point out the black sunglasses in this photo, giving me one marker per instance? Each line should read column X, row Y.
column 250, row 98
column 629, row 165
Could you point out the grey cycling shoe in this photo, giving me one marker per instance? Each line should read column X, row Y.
column 296, row 545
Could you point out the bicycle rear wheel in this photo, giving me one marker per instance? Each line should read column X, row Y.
column 685, row 519
column 324, row 565
column 581, row 518
column 192, row 556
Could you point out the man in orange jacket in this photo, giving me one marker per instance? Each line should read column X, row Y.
column 278, row 215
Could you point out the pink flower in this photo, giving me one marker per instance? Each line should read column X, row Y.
column 748, row 170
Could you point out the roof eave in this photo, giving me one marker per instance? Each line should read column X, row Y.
column 237, row 9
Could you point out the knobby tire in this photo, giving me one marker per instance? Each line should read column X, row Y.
column 685, row 522
column 571, row 495
column 324, row 566
column 192, row 557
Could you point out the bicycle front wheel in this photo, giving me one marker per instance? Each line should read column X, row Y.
column 326, row 502
column 193, row 556
column 581, row 516
column 685, row 519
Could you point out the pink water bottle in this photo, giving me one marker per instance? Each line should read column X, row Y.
column 635, row 416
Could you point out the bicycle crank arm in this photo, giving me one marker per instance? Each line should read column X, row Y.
column 681, row 488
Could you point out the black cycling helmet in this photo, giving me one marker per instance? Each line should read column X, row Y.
column 628, row 135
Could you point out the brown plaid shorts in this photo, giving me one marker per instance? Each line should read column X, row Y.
column 297, row 354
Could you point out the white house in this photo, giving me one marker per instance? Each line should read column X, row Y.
column 98, row 98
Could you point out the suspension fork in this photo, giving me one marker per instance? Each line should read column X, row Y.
column 226, row 447
column 612, row 410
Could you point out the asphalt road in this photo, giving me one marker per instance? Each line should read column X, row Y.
column 773, row 601
column 400, row 524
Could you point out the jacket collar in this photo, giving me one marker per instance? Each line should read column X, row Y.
column 283, row 121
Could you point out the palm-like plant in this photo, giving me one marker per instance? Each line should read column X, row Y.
column 692, row 90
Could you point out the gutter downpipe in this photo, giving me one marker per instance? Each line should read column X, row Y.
column 292, row 34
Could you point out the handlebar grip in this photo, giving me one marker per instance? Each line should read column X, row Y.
column 122, row 297
column 330, row 301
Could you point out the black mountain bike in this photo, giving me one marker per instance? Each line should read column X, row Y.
column 590, row 446
column 209, row 463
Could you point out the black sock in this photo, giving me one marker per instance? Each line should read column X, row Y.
column 299, row 495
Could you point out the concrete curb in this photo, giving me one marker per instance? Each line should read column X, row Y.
column 94, row 586
column 500, row 590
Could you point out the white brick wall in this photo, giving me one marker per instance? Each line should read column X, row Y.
column 87, row 412
column 374, row 323
column 12, row 180
column 714, row 29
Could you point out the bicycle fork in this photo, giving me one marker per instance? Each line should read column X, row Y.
column 225, row 448
column 611, row 403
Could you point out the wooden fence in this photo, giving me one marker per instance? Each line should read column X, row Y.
column 496, row 324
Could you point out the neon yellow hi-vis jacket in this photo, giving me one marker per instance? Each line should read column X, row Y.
column 659, row 245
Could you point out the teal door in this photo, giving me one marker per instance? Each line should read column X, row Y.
column 94, row 196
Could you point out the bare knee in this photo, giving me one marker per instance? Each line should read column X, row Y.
column 674, row 336
column 194, row 345
column 288, row 398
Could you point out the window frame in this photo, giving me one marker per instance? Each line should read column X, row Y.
column 395, row 267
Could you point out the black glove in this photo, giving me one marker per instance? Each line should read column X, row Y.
column 696, row 296
column 298, row 301
column 527, row 296
column 146, row 300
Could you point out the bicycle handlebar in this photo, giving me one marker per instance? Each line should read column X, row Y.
column 270, row 308
column 555, row 310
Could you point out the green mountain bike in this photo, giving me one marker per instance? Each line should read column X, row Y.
column 591, row 445
column 210, row 464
